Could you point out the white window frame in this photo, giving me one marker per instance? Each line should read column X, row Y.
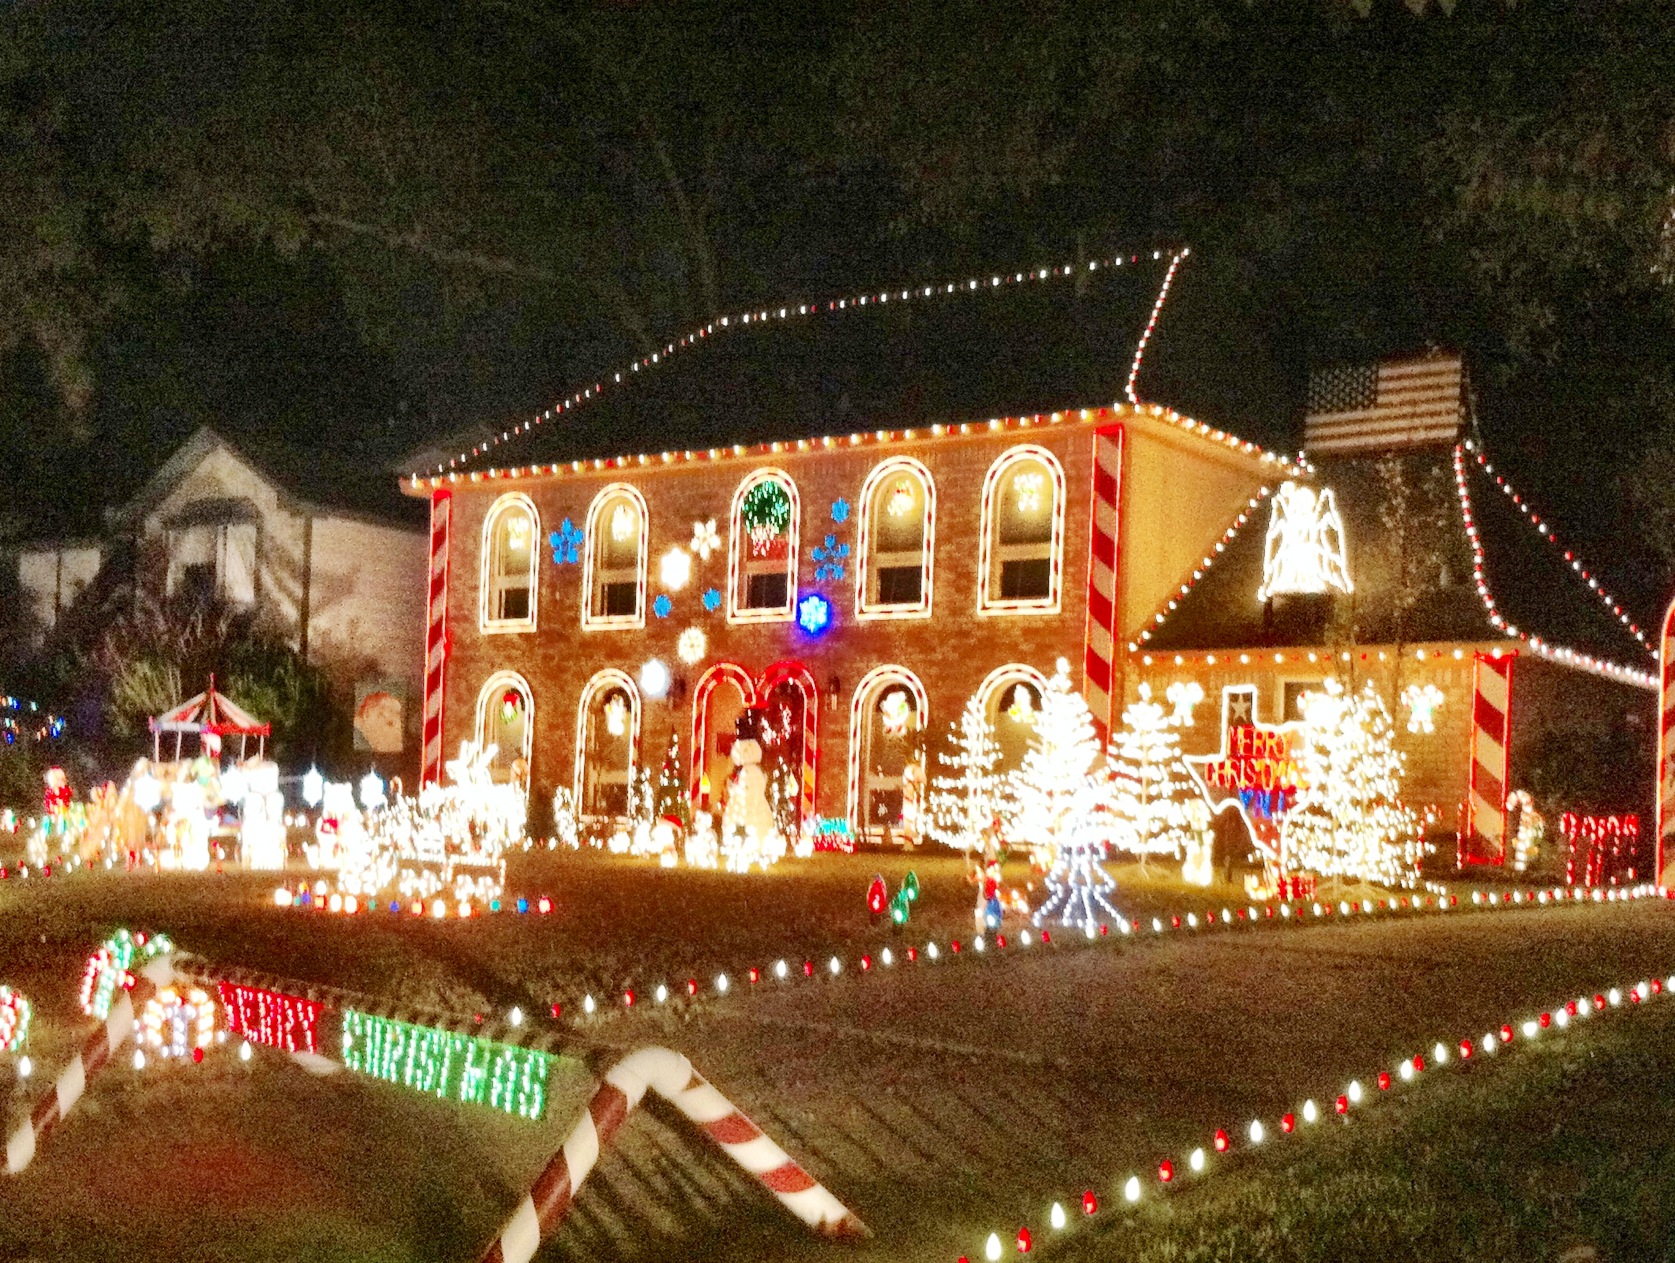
column 488, row 697
column 990, row 546
column 866, row 609
column 738, row 551
column 872, row 683
column 608, row 678
column 512, row 501
column 602, row 622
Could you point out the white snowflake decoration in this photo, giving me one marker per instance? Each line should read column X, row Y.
column 692, row 646
column 675, row 569
column 705, row 539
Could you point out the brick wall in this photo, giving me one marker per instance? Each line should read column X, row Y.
column 1199, row 482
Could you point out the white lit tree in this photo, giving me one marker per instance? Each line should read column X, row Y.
column 1058, row 800
column 1150, row 787
column 965, row 803
column 1349, row 819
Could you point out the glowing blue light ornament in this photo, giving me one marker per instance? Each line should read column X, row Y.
column 840, row 510
column 662, row 606
column 566, row 544
column 814, row 614
column 712, row 599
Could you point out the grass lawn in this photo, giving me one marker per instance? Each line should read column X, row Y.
column 1557, row 1146
column 939, row 1101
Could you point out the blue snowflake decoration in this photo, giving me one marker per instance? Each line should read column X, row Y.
column 830, row 556
column 566, row 542
column 840, row 510
column 712, row 600
column 662, row 605
column 814, row 614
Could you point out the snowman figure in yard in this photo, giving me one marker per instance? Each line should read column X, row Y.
column 748, row 830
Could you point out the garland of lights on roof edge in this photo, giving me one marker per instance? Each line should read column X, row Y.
column 719, row 324
column 1554, row 653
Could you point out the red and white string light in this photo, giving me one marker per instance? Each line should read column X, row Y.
column 1161, row 615
column 853, row 302
column 1168, row 1173
column 1555, row 653
column 723, row 982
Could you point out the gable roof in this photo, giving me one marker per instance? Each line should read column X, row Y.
column 312, row 481
column 1009, row 344
column 1482, row 567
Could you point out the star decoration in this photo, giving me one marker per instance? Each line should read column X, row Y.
column 566, row 544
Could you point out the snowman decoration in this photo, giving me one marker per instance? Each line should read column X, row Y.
column 748, row 832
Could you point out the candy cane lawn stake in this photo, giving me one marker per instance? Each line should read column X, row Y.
column 96, row 1053
column 673, row 1078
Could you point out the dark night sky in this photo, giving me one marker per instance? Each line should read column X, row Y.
column 356, row 234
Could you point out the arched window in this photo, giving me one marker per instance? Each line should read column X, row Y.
column 1020, row 564
column 888, row 713
column 607, row 745
column 510, row 533
column 1011, row 700
column 898, row 537
column 615, row 564
column 721, row 696
column 762, row 552
column 506, row 721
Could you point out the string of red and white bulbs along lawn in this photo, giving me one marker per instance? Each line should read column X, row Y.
column 722, row 982
column 1171, row 1172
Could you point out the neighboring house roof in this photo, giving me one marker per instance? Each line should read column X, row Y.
column 312, row 481
column 1481, row 568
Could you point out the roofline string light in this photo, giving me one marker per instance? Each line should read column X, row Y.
column 1555, row 653
column 1544, row 529
column 786, row 311
column 1151, row 323
column 960, row 429
column 1161, row 615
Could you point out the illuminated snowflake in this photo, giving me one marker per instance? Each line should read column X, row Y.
column 840, row 510
column 830, row 556
column 692, row 646
column 566, row 544
column 662, row 606
column 814, row 613
column 712, row 599
column 705, row 538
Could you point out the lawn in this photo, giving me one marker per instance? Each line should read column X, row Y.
column 941, row 1100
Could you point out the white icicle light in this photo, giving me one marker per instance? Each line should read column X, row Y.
column 1196, row 1161
column 1131, row 1190
column 1055, row 1217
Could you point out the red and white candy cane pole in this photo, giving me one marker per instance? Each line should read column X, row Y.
column 94, row 1055
column 672, row 1077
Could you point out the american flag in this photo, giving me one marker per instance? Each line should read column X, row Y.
column 1395, row 403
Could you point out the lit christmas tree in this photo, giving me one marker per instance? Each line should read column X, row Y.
column 672, row 801
column 1150, row 788
column 1349, row 819
column 1059, row 800
column 965, row 804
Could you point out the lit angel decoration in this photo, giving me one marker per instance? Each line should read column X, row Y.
column 705, row 539
column 1421, row 701
column 1182, row 696
column 624, row 522
column 1304, row 550
column 616, row 716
